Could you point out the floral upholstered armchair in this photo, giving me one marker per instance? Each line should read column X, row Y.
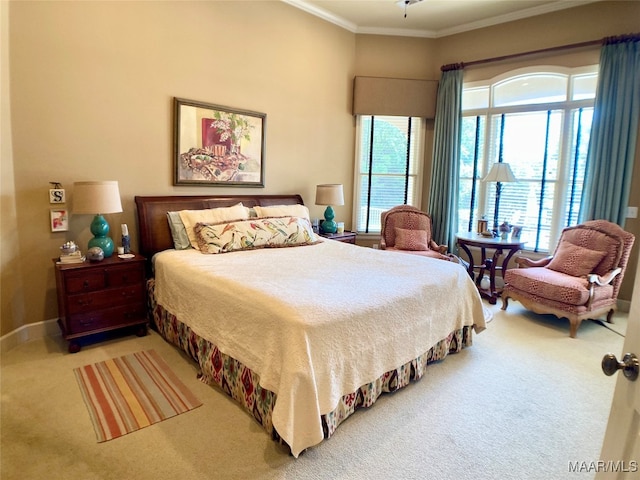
column 408, row 229
column 582, row 278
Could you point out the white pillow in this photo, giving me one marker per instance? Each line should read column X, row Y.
column 283, row 211
column 191, row 218
column 178, row 232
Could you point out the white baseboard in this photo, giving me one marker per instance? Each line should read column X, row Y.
column 624, row 305
column 26, row 333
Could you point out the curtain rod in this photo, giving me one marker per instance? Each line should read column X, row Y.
column 457, row 66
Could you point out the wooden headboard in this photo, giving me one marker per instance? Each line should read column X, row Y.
column 153, row 227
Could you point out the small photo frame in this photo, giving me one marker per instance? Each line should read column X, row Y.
column 59, row 220
column 57, row 195
column 516, row 231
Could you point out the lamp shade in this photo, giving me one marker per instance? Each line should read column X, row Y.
column 96, row 197
column 500, row 172
column 329, row 194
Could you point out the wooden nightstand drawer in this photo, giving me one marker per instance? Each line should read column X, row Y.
column 86, row 302
column 84, row 281
column 100, row 320
column 125, row 275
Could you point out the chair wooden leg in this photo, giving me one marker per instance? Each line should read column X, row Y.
column 573, row 327
column 505, row 302
column 610, row 316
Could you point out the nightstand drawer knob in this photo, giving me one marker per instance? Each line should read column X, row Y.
column 85, row 284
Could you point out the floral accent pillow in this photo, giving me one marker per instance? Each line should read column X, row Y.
column 254, row 233
column 190, row 218
column 411, row 239
column 575, row 260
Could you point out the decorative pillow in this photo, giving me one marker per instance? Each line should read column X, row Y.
column 283, row 211
column 254, row 233
column 191, row 218
column 178, row 232
column 411, row 239
column 575, row 260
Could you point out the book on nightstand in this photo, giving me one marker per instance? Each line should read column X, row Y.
column 75, row 257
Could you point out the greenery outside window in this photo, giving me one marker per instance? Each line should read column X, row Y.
column 388, row 167
column 539, row 122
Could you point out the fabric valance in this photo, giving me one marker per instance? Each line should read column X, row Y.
column 394, row 96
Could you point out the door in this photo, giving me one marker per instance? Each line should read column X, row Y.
column 620, row 456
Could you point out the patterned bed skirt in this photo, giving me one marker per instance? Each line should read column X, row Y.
column 243, row 385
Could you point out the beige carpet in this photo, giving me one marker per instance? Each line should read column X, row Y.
column 522, row 402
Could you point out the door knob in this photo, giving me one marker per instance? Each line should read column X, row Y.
column 628, row 365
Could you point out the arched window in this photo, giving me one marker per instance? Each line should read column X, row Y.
column 537, row 120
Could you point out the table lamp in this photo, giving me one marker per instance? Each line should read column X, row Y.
column 98, row 198
column 500, row 173
column 329, row 194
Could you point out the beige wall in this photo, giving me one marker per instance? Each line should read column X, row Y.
column 92, row 85
column 91, row 89
column 12, row 293
column 399, row 57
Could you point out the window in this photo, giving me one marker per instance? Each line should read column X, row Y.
column 539, row 123
column 388, row 167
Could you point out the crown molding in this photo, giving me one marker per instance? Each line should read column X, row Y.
column 510, row 17
column 323, row 14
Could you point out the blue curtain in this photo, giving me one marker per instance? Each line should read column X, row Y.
column 443, row 194
column 614, row 131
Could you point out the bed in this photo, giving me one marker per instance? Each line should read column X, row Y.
column 302, row 336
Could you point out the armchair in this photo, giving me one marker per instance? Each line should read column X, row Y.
column 582, row 278
column 408, row 229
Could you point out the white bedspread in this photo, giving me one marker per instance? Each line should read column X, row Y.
column 316, row 322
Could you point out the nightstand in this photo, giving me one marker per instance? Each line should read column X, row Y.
column 345, row 237
column 96, row 297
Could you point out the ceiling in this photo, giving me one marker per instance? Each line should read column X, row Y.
column 427, row 18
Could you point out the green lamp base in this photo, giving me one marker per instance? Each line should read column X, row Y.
column 329, row 226
column 100, row 230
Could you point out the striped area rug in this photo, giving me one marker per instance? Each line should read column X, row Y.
column 131, row 392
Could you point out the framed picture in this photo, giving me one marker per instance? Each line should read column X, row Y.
column 218, row 146
column 59, row 220
column 57, row 195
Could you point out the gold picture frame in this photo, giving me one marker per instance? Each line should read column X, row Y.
column 218, row 146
